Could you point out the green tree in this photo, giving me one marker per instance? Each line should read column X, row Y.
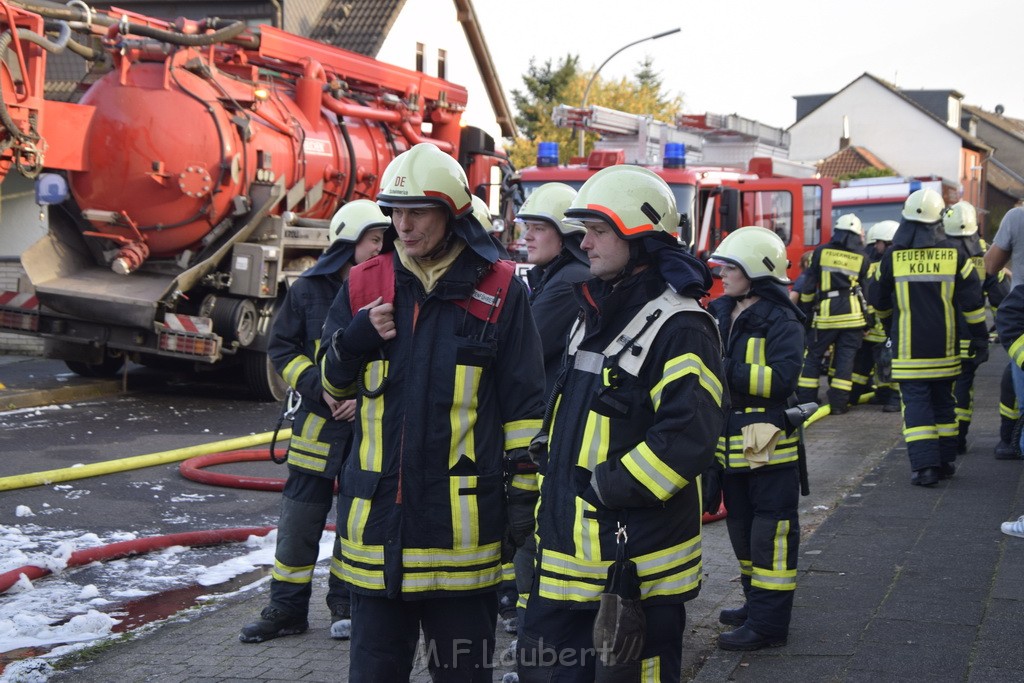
column 562, row 82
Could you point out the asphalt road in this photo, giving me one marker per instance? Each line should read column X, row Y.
column 163, row 415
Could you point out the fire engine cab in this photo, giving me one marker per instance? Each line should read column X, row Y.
column 712, row 199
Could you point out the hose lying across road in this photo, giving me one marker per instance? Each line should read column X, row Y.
column 196, row 459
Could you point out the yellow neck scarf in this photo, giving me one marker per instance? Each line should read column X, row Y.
column 429, row 272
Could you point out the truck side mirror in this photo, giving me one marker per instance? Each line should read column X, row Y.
column 729, row 209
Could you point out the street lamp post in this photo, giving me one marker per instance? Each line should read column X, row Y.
column 586, row 91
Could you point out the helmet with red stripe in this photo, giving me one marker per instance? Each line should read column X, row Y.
column 635, row 201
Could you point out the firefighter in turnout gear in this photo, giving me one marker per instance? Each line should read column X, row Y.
column 865, row 364
column 960, row 223
column 321, row 433
column 436, row 343
column 915, row 283
column 553, row 247
column 758, row 451
column 833, row 284
column 640, row 405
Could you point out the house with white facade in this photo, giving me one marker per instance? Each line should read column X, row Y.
column 917, row 133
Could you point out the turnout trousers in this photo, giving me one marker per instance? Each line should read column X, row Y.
column 458, row 635
column 305, row 504
column 556, row 645
column 764, row 529
column 929, row 422
column 963, row 392
column 1008, row 412
column 846, row 342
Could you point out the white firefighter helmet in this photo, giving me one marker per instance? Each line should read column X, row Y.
column 482, row 212
column 632, row 199
column 759, row 252
column 850, row 223
column 960, row 220
column 924, row 206
column 548, row 203
column 425, row 176
column 882, row 230
column 352, row 220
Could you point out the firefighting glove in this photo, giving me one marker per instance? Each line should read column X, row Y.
column 359, row 338
column 520, row 497
column 620, row 627
column 711, row 488
column 979, row 351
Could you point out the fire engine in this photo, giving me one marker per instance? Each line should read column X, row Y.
column 190, row 180
column 712, row 199
column 880, row 199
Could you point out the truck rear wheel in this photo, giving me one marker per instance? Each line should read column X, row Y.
column 262, row 379
column 110, row 366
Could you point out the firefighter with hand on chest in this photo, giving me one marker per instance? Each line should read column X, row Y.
column 436, row 343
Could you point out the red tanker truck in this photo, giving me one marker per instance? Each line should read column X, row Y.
column 188, row 183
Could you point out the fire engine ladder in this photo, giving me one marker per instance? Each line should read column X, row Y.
column 639, row 135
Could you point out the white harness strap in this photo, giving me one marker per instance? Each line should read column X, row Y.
column 668, row 303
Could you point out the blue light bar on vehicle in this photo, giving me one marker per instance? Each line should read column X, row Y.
column 675, row 155
column 547, row 154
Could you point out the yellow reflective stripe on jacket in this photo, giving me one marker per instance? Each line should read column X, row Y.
column 1017, row 351
column 336, row 392
column 1009, row 412
column 358, row 513
column 526, row 482
column 976, row 316
column 338, row 568
column 305, row 449
column 296, row 366
column 463, row 413
column 371, row 419
column 786, row 450
column 441, row 569
column 652, row 472
column 465, row 517
column 746, row 567
column 283, row 572
column 650, row 670
column 925, row 368
column 760, row 381
column 596, row 437
column 687, row 364
column 586, row 531
column 519, row 433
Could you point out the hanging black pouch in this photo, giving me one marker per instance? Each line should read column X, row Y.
column 620, row 627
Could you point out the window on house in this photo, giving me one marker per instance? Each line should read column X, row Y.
column 419, row 56
column 442, row 59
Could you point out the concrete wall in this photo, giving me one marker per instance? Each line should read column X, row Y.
column 909, row 140
column 435, row 24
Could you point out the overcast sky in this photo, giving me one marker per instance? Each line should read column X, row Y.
column 750, row 57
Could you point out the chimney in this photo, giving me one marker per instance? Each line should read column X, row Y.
column 844, row 140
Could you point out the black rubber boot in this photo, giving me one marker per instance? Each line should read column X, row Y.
column 733, row 617
column 273, row 624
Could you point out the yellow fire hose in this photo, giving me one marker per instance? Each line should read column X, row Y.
column 22, row 481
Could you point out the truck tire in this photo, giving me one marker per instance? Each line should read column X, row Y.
column 262, row 379
column 110, row 366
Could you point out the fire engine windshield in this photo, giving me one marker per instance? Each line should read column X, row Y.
column 685, row 198
column 869, row 214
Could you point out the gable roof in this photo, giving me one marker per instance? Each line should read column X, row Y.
column 969, row 141
column 850, row 160
column 1010, row 126
column 356, row 26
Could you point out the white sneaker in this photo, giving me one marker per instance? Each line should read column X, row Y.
column 1014, row 528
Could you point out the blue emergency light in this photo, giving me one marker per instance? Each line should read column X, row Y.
column 675, row 155
column 915, row 185
column 51, row 189
column 547, row 154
